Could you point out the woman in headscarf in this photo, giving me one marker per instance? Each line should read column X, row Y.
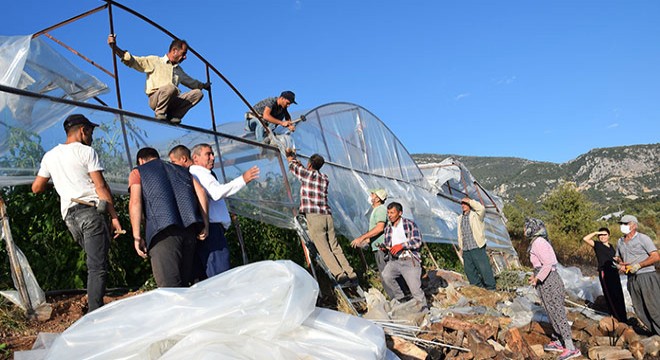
column 608, row 274
column 550, row 287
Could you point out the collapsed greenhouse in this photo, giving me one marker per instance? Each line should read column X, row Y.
column 40, row 86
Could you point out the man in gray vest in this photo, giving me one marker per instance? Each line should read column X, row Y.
column 174, row 205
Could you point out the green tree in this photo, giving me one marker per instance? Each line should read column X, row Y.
column 568, row 210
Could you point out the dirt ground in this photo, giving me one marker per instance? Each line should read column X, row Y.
column 66, row 309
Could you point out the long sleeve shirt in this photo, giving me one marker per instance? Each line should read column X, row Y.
column 313, row 189
column 542, row 256
column 160, row 72
column 413, row 236
column 216, row 192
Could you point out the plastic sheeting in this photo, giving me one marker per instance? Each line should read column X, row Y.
column 451, row 179
column 32, row 65
column 257, row 311
column 361, row 153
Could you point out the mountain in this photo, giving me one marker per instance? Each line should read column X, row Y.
column 603, row 174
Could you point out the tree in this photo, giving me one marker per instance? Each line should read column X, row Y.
column 568, row 210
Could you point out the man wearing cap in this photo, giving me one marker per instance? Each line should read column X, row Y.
column 163, row 77
column 274, row 111
column 472, row 244
column 636, row 255
column 78, row 175
column 375, row 235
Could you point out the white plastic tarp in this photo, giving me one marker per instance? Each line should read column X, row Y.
column 264, row 310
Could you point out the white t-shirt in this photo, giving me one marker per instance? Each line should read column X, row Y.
column 217, row 192
column 398, row 234
column 69, row 166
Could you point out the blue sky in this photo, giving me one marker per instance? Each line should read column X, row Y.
column 542, row 80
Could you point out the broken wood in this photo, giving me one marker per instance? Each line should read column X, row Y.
column 517, row 344
column 407, row 350
column 609, row 353
column 651, row 345
column 607, row 324
column 637, row 350
column 479, row 347
column 486, row 331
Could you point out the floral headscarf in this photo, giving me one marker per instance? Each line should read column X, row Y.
column 534, row 228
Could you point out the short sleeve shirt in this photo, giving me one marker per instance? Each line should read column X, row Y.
column 69, row 165
column 276, row 110
column 379, row 214
column 637, row 250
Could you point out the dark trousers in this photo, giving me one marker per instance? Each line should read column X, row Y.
column 477, row 268
column 644, row 289
column 90, row 230
column 613, row 292
column 171, row 252
column 213, row 252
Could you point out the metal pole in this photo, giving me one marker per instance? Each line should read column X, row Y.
column 118, row 92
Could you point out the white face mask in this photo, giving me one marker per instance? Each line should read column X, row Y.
column 625, row 229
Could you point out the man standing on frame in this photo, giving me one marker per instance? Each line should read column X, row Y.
column 163, row 77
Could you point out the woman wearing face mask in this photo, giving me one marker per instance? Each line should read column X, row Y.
column 608, row 273
column 550, row 288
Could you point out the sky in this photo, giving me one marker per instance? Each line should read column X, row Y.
column 541, row 80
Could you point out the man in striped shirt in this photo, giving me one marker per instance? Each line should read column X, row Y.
column 314, row 204
column 403, row 240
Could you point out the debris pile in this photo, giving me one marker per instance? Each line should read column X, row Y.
column 467, row 322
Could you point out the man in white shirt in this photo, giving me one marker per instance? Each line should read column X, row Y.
column 214, row 252
column 77, row 174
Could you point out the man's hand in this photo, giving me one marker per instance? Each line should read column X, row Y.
column 396, row 249
column 204, row 233
column 359, row 242
column 116, row 225
column 251, row 174
column 140, row 247
column 289, row 125
column 112, row 40
column 633, row 268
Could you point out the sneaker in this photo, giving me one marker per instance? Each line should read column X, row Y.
column 175, row 120
column 555, row 346
column 161, row 117
column 569, row 354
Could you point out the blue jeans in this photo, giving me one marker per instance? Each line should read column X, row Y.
column 90, row 230
column 255, row 125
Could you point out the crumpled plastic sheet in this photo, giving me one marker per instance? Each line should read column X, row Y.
column 262, row 310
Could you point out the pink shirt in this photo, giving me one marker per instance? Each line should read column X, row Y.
column 542, row 255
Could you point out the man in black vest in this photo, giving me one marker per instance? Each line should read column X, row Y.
column 170, row 216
